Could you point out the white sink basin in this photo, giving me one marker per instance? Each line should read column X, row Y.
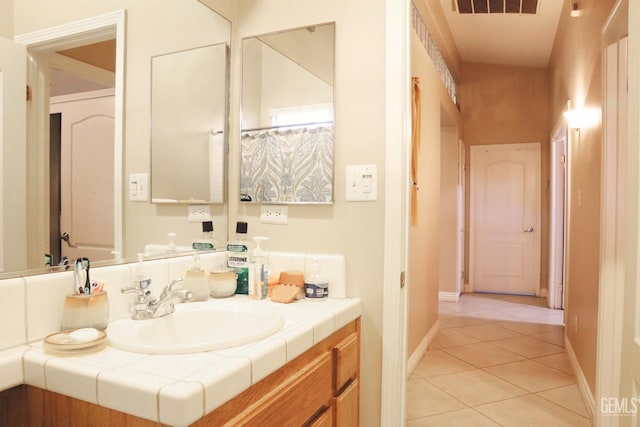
column 191, row 328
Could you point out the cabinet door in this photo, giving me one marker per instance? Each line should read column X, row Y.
column 346, row 406
column 294, row 403
column 346, row 360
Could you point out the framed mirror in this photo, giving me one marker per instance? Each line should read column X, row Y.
column 188, row 125
column 287, row 126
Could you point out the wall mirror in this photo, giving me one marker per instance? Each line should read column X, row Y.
column 73, row 56
column 287, row 128
column 188, row 125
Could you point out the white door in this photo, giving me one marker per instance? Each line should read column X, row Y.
column 505, row 218
column 13, row 210
column 86, row 193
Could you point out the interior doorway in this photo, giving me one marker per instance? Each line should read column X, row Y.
column 43, row 64
column 505, row 218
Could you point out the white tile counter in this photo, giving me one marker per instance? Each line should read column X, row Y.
column 178, row 389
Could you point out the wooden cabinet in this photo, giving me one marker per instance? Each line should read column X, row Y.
column 319, row 388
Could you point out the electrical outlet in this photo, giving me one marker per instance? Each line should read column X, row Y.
column 199, row 213
column 274, row 214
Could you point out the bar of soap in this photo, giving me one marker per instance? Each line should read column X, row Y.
column 284, row 293
column 84, row 334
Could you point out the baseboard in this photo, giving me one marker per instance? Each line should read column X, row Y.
column 448, row 296
column 418, row 354
column 587, row 397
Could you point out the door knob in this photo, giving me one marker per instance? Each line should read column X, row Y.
column 529, row 230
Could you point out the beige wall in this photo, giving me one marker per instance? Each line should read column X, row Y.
column 355, row 229
column 6, row 18
column 503, row 105
column 449, row 136
column 575, row 73
column 424, row 237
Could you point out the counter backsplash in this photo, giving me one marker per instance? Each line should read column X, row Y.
column 31, row 306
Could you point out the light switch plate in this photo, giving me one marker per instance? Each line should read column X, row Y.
column 138, row 187
column 361, row 183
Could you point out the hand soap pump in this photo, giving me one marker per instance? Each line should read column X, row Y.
column 196, row 281
column 260, row 284
column 206, row 242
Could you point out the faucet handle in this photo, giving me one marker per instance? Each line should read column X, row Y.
column 174, row 282
column 140, row 293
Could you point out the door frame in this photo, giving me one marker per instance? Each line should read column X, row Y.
column 618, row 235
column 472, row 220
column 558, row 214
column 39, row 44
column 461, row 217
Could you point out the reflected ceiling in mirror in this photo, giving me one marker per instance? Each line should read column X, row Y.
column 287, row 116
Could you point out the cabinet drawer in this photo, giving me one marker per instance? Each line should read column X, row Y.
column 346, row 406
column 297, row 401
column 324, row 420
column 345, row 357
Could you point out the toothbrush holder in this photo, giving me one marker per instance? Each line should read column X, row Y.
column 85, row 311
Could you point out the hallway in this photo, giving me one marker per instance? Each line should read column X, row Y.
column 497, row 360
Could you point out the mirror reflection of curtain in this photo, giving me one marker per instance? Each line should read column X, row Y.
column 288, row 165
column 415, row 145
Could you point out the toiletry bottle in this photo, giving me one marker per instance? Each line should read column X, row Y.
column 316, row 284
column 205, row 242
column 142, row 281
column 258, row 288
column 238, row 258
column 196, row 281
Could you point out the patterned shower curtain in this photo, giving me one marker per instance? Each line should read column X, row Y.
column 293, row 165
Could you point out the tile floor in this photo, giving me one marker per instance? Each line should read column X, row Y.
column 497, row 360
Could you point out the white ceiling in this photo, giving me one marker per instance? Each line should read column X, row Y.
column 509, row 39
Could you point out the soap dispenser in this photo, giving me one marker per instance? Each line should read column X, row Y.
column 196, row 281
column 259, row 287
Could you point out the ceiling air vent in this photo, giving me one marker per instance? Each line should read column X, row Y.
column 497, row 6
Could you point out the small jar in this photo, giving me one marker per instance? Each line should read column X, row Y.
column 85, row 311
column 222, row 283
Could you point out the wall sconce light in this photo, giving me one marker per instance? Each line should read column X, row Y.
column 581, row 118
column 575, row 8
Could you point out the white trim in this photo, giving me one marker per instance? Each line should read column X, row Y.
column 101, row 93
column 449, row 296
column 92, row 30
column 613, row 224
column 397, row 159
column 581, row 381
column 419, row 352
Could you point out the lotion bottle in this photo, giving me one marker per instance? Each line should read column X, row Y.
column 316, row 285
column 196, row 281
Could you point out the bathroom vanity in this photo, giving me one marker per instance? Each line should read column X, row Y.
column 305, row 374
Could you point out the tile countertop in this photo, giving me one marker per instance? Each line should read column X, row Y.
column 178, row 389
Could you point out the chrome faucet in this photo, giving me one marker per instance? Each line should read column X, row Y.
column 147, row 307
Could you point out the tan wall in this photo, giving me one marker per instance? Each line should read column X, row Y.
column 502, row 105
column 575, row 73
column 355, row 229
column 6, row 18
column 424, row 237
column 449, row 136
